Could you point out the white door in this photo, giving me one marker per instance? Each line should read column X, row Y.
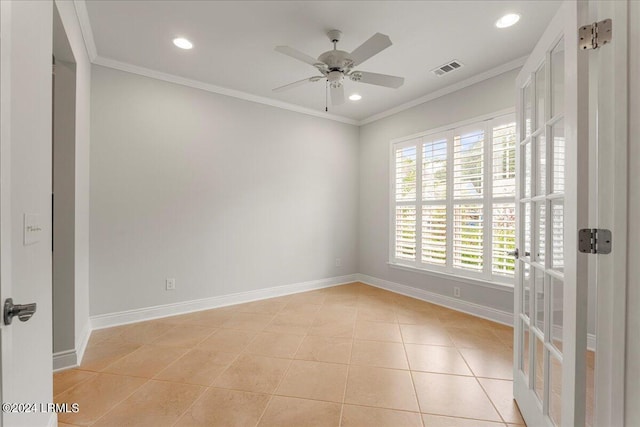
column 25, row 188
column 551, row 286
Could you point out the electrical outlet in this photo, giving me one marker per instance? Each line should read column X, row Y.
column 338, row 262
column 171, row 284
column 456, row 292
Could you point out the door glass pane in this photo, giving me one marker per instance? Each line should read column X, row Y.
column 591, row 362
column 557, row 235
column 558, row 153
column 539, row 368
column 525, row 346
column 526, row 98
column 526, row 158
column 541, row 165
column 541, row 233
column 526, row 289
column 556, row 290
column 555, row 399
column 527, row 230
column 557, row 78
column 538, row 280
column 540, row 91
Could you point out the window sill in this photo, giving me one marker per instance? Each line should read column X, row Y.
column 472, row 281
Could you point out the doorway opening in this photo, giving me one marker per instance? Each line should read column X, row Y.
column 63, row 196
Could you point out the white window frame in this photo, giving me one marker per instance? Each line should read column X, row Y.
column 486, row 276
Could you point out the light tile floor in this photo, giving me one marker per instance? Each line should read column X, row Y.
column 351, row 355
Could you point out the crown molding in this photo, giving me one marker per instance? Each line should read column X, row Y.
column 87, row 33
column 500, row 69
column 172, row 78
column 85, row 27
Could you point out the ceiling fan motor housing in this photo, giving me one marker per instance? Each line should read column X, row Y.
column 336, row 60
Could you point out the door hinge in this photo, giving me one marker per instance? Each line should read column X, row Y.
column 594, row 241
column 594, row 35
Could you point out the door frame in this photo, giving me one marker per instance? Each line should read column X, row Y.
column 611, row 84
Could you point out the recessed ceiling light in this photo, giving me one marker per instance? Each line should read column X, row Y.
column 355, row 97
column 507, row 20
column 182, row 43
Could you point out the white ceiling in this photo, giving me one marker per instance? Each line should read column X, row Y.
column 234, row 42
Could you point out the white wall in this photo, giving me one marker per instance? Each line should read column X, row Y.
column 486, row 97
column 632, row 396
column 221, row 194
column 64, row 108
column 73, row 32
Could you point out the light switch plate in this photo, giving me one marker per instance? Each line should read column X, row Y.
column 32, row 229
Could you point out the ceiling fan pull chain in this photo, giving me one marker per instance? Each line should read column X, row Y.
column 326, row 97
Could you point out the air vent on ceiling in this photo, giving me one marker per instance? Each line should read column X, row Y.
column 447, row 68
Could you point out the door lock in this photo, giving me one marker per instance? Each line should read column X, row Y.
column 23, row 311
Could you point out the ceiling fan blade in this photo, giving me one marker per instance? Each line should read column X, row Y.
column 298, row 83
column 376, row 44
column 379, row 79
column 337, row 95
column 296, row 54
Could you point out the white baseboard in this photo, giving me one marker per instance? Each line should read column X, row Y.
column 83, row 341
column 495, row 315
column 64, row 360
column 149, row 313
column 499, row 316
column 68, row 359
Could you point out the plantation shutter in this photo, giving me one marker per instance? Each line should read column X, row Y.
column 468, row 192
column 503, row 174
column 453, row 196
column 405, row 198
column 434, row 199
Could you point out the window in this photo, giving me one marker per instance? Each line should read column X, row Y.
column 453, row 201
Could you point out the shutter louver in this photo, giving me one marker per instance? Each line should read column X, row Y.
column 468, row 232
column 406, row 174
column 468, row 171
column 406, row 233
column 434, row 234
column 434, row 170
column 503, row 238
column 504, row 160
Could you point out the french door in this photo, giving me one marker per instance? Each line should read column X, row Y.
column 551, row 276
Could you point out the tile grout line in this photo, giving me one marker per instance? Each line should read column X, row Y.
column 220, row 374
column 361, row 298
column 413, row 383
column 273, row 393
column 120, row 401
column 223, row 371
column 477, row 380
column 346, row 381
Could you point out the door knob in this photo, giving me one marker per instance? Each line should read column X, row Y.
column 23, row 311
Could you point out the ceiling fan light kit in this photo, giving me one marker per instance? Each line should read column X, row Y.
column 335, row 65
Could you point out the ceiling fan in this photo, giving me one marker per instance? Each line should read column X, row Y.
column 336, row 65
